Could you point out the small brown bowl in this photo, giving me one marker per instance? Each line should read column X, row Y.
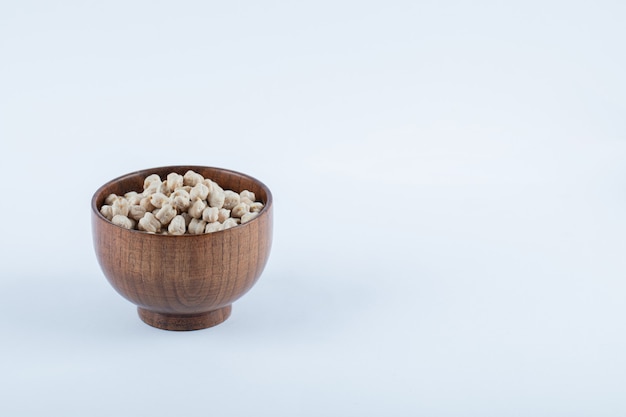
column 183, row 282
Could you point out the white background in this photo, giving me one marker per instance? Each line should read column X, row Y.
column 450, row 199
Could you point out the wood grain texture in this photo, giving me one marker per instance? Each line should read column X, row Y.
column 183, row 282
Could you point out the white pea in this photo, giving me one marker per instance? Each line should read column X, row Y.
column 135, row 199
column 222, row 215
column 248, row 216
column 247, row 194
column 216, row 197
column 239, row 210
column 154, row 187
column 145, row 204
column 166, row 214
column 177, row 226
column 196, row 208
column 164, row 188
column 231, row 199
column 174, row 181
column 150, row 180
column 245, row 200
column 136, row 212
column 180, row 199
column 256, row 207
column 210, row 214
column 122, row 221
column 200, row 191
column 230, row 223
column 187, row 218
column 192, row 178
column 149, row 223
column 209, row 184
column 196, row 226
column 158, row 199
column 110, row 199
column 213, row 227
column 107, row 211
column 120, row 206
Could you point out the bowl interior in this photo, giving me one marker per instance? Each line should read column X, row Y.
column 227, row 179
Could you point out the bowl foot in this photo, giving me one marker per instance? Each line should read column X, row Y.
column 182, row 322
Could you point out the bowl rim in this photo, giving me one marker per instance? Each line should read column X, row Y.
column 99, row 215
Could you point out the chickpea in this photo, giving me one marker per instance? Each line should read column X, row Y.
column 231, row 199
column 222, row 215
column 247, row 194
column 150, row 180
column 123, row 221
column 230, row 223
column 174, row 181
column 107, row 211
column 249, row 216
column 200, row 191
column 180, row 199
column 158, row 199
column 196, row 226
column 136, row 212
column 196, row 209
column 120, row 206
column 110, row 199
column 145, row 203
column 256, row 207
column 192, row 178
column 166, row 214
column 210, row 214
column 213, row 227
column 216, row 197
column 149, row 223
column 239, row 210
column 177, row 226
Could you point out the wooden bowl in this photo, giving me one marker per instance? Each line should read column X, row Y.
column 183, row 282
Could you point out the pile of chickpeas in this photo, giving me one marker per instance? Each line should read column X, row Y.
column 181, row 204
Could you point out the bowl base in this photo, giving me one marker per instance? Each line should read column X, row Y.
column 183, row 322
